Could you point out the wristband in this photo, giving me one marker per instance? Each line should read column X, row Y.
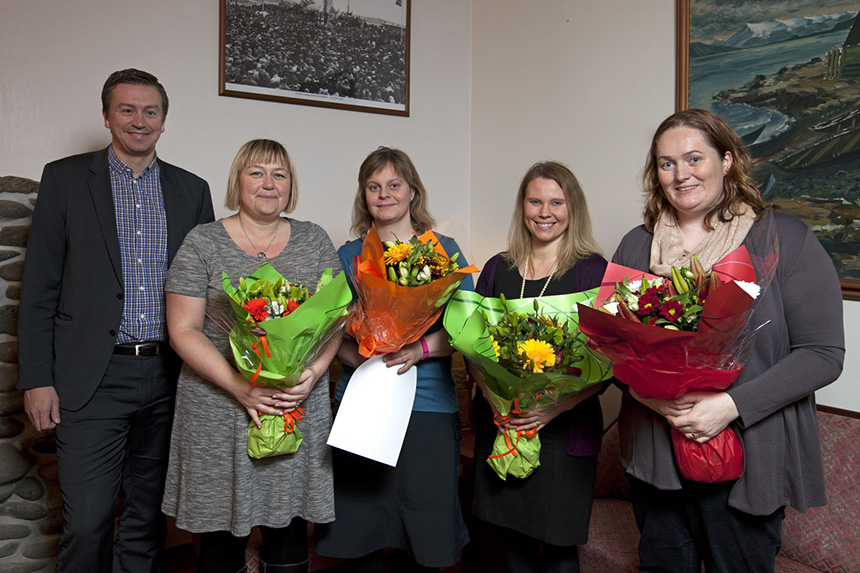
column 424, row 346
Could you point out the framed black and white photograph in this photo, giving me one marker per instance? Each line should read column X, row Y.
column 785, row 74
column 345, row 54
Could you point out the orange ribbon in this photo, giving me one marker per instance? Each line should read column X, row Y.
column 500, row 421
column 291, row 419
column 257, row 350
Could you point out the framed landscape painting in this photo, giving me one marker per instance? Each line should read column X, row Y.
column 345, row 54
column 785, row 74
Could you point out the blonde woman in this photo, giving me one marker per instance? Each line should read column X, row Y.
column 545, row 516
column 213, row 487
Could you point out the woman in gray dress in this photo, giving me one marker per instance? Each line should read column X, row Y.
column 213, row 487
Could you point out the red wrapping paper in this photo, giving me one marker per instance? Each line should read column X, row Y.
column 667, row 364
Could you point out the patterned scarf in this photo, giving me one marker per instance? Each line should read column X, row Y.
column 667, row 246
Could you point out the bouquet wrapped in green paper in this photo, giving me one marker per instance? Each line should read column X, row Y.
column 280, row 329
column 531, row 354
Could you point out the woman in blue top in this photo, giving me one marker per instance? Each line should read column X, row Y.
column 413, row 507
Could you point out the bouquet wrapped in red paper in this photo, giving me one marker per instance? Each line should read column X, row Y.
column 667, row 338
column 401, row 290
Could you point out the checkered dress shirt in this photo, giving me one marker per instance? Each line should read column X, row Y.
column 142, row 229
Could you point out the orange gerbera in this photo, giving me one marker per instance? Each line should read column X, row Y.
column 397, row 253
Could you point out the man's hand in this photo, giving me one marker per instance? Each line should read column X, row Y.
column 43, row 407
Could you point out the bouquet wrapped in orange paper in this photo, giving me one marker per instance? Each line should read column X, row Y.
column 388, row 313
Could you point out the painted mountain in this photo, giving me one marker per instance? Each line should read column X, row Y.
column 781, row 30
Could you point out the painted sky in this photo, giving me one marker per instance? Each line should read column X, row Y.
column 721, row 18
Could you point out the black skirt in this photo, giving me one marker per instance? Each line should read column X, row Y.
column 413, row 507
column 553, row 504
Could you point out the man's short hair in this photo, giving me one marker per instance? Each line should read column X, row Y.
column 132, row 76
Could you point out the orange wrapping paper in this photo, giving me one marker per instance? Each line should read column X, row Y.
column 386, row 315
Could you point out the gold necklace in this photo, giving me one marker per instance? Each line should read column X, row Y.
column 260, row 254
column 526, row 271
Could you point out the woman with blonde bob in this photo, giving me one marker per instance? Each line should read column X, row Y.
column 551, row 251
column 701, row 200
column 213, row 487
column 413, row 507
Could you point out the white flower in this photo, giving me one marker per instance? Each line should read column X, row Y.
column 277, row 308
column 633, row 302
column 751, row 289
column 634, row 286
column 424, row 275
column 612, row 307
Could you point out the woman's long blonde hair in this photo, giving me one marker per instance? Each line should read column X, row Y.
column 578, row 241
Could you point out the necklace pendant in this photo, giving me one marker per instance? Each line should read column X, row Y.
column 261, row 255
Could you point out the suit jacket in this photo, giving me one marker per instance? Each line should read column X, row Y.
column 72, row 290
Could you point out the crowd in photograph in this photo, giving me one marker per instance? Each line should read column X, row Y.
column 301, row 49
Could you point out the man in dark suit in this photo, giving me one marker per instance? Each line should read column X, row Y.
column 93, row 351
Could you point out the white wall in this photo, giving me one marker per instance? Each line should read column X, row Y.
column 496, row 85
column 55, row 55
column 585, row 83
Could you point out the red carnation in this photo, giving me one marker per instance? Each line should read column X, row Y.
column 672, row 310
column 648, row 303
column 257, row 309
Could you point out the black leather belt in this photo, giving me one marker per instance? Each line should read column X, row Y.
column 152, row 348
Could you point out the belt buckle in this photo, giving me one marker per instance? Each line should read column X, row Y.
column 138, row 347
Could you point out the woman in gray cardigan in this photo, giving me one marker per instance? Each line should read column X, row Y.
column 701, row 200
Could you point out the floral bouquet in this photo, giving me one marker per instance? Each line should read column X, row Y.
column 531, row 355
column 401, row 289
column 280, row 329
column 667, row 338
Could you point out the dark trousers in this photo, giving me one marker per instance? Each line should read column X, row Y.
column 223, row 552
column 682, row 529
column 120, row 438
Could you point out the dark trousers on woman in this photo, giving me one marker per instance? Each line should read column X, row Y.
column 681, row 529
column 528, row 555
column 285, row 550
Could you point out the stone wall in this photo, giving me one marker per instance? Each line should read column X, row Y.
column 30, row 503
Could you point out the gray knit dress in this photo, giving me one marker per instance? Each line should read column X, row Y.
column 212, row 483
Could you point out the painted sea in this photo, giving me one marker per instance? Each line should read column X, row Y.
column 776, row 97
column 712, row 74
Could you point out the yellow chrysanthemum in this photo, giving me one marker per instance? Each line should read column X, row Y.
column 397, row 253
column 439, row 264
column 539, row 352
column 496, row 347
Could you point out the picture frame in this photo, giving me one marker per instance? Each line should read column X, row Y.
column 802, row 158
column 341, row 54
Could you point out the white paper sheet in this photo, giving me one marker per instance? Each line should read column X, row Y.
column 374, row 411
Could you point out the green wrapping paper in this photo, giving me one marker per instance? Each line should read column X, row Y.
column 517, row 453
column 279, row 353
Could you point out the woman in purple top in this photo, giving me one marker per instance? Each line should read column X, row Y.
column 550, row 252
